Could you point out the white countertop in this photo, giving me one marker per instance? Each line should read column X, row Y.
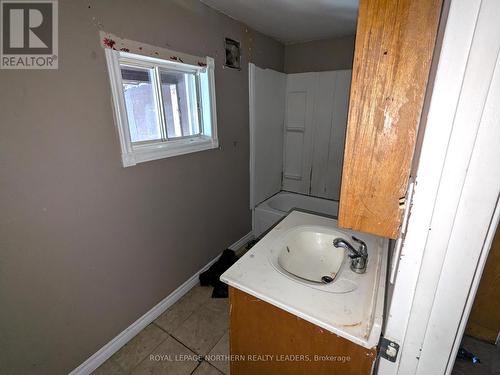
column 356, row 315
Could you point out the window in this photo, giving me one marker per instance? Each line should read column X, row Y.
column 162, row 108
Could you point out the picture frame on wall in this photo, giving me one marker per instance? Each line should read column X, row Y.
column 233, row 54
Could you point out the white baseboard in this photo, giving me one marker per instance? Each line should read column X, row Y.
column 242, row 241
column 130, row 332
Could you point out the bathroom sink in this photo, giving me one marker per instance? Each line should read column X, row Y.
column 308, row 253
column 351, row 306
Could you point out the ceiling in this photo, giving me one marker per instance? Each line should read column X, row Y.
column 293, row 21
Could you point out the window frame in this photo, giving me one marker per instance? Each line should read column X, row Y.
column 139, row 152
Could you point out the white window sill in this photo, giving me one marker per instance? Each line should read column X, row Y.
column 141, row 154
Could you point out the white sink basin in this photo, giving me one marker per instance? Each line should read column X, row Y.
column 309, row 253
column 306, row 255
column 350, row 306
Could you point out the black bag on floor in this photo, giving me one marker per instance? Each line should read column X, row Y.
column 212, row 275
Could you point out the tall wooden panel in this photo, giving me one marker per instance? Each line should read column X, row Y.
column 394, row 46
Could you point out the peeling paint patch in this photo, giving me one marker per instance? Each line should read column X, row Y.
column 116, row 43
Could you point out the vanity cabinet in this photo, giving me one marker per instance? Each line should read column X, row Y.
column 266, row 340
column 394, row 48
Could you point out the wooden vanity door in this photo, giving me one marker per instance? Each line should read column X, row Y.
column 394, row 47
column 266, row 340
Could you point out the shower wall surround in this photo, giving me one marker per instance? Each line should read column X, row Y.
column 314, row 133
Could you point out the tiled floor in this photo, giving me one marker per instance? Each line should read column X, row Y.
column 197, row 326
column 488, row 354
column 176, row 343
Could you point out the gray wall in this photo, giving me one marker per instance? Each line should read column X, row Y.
column 86, row 246
column 319, row 56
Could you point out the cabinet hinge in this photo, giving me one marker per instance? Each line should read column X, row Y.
column 388, row 349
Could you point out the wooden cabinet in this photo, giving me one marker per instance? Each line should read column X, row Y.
column 266, row 340
column 394, row 46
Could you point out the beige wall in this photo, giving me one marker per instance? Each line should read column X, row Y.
column 319, row 56
column 86, row 246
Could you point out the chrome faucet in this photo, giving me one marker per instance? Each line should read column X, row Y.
column 359, row 258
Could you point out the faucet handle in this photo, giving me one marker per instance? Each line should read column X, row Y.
column 362, row 248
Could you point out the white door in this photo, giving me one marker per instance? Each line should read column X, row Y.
column 456, row 192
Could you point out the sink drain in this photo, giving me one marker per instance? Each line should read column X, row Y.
column 327, row 279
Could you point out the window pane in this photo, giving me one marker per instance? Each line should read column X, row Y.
column 140, row 102
column 180, row 103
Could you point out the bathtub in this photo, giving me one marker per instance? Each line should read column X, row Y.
column 279, row 205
